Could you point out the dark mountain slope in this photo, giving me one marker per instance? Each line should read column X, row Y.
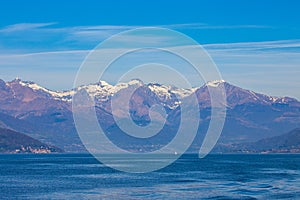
column 14, row 142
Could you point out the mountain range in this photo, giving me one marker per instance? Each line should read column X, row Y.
column 46, row 115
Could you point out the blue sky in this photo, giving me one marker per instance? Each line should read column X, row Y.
column 256, row 44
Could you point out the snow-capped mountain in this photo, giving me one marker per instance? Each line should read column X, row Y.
column 47, row 115
column 102, row 91
column 238, row 96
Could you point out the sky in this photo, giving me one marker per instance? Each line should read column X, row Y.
column 255, row 44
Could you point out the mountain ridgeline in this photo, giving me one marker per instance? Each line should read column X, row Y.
column 285, row 143
column 46, row 115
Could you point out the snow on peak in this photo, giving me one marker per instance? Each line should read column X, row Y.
column 17, row 79
column 121, row 85
column 167, row 91
column 215, row 83
column 135, row 82
column 103, row 90
column 103, row 83
column 160, row 90
column 184, row 92
column 31, row 85
column 58, row 95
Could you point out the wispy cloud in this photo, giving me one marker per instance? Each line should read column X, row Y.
column 24, row 26
column 209, row 26
column 23, row 31
column 44, row 53
column 94, row 32
column 277, row 70
column 250, row 46
column 51, row 55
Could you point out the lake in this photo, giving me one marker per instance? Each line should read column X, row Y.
column 80, row 176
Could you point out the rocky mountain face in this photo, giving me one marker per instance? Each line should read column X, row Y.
column 47, row 115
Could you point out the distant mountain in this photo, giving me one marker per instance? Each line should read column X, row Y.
column 47, row 115
column 14, row 142
column 286, row 143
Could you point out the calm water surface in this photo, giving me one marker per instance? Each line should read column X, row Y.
column 80, row 176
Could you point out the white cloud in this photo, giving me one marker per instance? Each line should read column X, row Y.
column 207, row 26
column 83, row 34
column 45, row 53
column 25, row 26
column 271, row 72
column 271, row 67
column 264, row 45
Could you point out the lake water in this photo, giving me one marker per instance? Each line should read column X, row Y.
column 80, row 176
